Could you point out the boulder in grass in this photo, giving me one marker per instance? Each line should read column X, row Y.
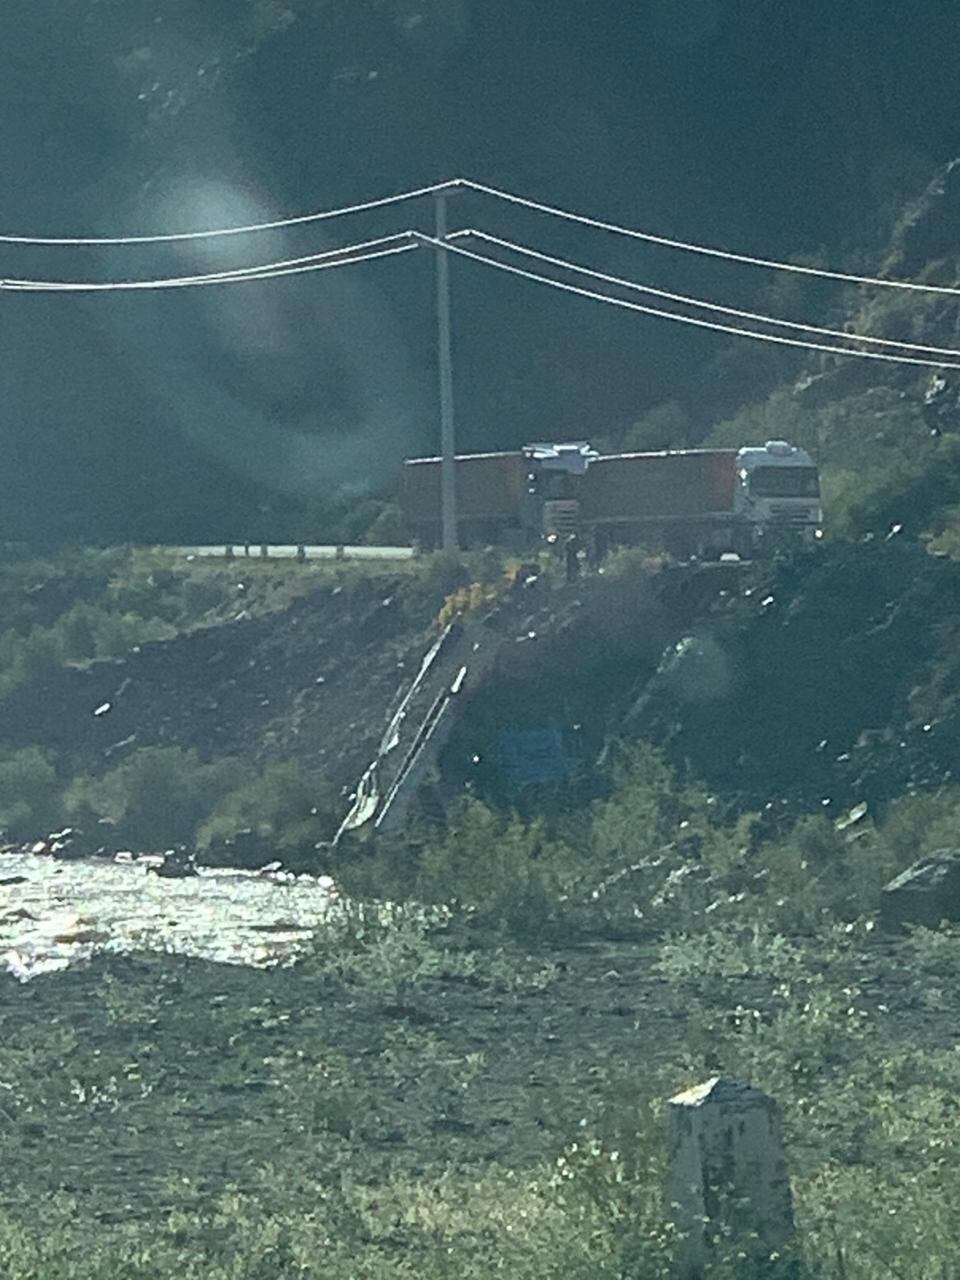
column 925, row 894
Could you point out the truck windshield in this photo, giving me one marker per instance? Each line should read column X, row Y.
column 785, row 482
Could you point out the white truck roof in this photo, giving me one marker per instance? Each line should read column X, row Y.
column 574, row 457
column 775, row 453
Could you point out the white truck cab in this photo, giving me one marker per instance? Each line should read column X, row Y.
column 778, row 491
column 551, row 481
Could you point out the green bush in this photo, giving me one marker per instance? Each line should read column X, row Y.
column 163, row 796
column 919, row 823
column 82, row 632
column 30, row 793
column 88, row 631
column 508, row 875
column 730, row 951
column 24, row 659
column 658, row 856
column 157, row 796
column 508, row 872
column 284, row 804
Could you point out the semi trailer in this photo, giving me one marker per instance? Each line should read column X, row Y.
column 685, row 501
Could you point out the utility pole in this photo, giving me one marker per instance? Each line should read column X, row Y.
column 448, row 478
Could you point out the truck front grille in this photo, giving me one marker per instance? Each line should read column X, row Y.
column 791, row 515
column 561, row 516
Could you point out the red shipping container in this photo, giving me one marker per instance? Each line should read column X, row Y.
column 489, row 486
column 632, row 487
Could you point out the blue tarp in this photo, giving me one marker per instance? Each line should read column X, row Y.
column 531, row 756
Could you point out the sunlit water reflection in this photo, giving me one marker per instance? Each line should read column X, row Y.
column 54, row 914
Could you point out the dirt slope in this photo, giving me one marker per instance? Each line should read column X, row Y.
column 831, row 679
column 311, row 682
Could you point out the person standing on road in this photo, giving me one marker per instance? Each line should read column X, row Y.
column 572, row 549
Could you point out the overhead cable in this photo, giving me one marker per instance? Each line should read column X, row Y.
column 726, row 255
column 364, row 251
column 278, row 224
column 498, row 194
column 701, row 303
column 696, row 321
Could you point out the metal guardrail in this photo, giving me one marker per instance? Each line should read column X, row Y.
column 283, row 551
column 369, row 797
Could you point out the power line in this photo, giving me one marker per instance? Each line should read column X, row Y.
column 676, row 316
column 277, row 224
column 702, row 303
column 498, row 194
column 705, row 250
column 364, row 251
column 406, row 241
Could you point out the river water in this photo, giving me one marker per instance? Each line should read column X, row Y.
column 54, row 914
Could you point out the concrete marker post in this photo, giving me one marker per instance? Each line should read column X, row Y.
column 727, row 1176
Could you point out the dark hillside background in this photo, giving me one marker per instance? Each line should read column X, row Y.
column 264, row 409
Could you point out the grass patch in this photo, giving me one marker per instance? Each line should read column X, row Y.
column 411, row 1100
